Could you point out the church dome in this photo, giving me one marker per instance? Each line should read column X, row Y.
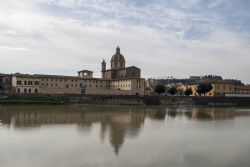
column 118, row 56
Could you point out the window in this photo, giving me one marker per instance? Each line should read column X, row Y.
column 24, row 90
column 25, row 82
column 52, row 84
column 36, row 90
column 29, row 90
column 18, row 90
column 51, row 79
column 67, row 85
column 30, row 82
column 19, row 82
column 36, row 82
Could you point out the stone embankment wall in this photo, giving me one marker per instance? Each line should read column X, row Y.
column 127, row 100
column 222, row 101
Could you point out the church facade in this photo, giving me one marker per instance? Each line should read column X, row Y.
column 118, row 69
column 118, row 80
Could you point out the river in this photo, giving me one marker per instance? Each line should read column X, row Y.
column 123, row 136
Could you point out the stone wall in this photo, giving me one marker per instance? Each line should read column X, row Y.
column 128, row 100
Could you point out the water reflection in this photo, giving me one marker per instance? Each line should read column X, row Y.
column 207, row 114
column 118, row 123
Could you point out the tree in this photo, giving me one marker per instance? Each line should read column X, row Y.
column 160, row 89
column 172, row 90
column 204, row 88
column 188, row 91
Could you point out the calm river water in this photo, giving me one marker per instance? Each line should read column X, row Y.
column 88, row 136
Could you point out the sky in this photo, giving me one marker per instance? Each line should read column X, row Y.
column 164, row 38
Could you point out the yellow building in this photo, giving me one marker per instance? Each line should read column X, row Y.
column 220, row 88
column 242, row 89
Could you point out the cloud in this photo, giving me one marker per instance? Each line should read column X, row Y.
column 164, row 39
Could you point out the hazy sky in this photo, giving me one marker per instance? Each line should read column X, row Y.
column 163, row 37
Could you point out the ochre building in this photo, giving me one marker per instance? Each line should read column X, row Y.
column 220, row 88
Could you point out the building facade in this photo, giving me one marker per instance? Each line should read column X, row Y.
column 220, row 88
column 118, row 69
column 118, row 80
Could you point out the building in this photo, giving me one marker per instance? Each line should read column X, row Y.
column 118, row 69
column 242, row 89
column 220, row 88
column 118, row 80
column 5, row 84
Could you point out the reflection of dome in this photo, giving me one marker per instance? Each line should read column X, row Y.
column 117, row 135
column 118, row 56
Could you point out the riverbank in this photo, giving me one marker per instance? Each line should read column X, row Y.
column 125, row 100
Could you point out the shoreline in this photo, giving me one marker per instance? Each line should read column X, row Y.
column 127, row 100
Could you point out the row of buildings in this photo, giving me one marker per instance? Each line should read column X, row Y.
column 221, row 87
column 118, row 80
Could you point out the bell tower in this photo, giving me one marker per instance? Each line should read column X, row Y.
column 103, row 68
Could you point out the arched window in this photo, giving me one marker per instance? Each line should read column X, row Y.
column 25, row 90
column 36, row 90
column 29, row 90
column 18, row 90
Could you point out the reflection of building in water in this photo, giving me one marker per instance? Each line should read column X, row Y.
column 120, row 124
column 117, row 124
column 206, row 113
column 212, row 114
